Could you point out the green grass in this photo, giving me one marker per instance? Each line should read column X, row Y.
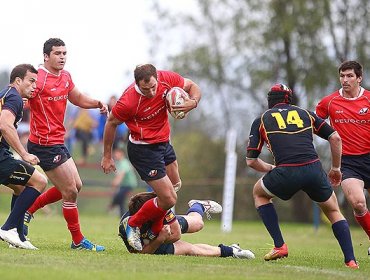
column 312, row 255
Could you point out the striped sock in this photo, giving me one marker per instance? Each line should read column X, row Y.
column 70, row 213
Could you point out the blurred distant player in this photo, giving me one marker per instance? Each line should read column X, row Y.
column 288, row 131
column 124, row 181
column 143, row 108
column 162, row 244
column 48, row 106
column 349, row 112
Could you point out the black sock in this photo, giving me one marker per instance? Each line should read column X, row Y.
column 226, row 251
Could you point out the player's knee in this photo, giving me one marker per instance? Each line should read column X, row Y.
column 359, row 207
column 79, row 185
column 167, row 201
column 177, row 186
column 198, row 225
column 172, row 200
column 69, row 194
column 39, row 181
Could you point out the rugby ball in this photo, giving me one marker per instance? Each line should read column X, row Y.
column 176, row 96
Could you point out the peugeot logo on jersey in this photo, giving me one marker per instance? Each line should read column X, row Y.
column 152, row 173
column 57, row 158
column 364, row 111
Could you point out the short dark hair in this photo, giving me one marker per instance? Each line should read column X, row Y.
column 20, row 71
column 351, row 65
column 52, row 42
column 144, row 72
column 137, row 201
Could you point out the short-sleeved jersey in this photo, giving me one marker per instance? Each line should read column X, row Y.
column 11, row 100
column 350, row 117
column 147, row 118
column 288, row 131
column 48, row 106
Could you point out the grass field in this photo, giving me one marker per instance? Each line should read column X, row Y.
column 312, row 255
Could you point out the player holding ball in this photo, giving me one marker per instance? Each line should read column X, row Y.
column 143, row 107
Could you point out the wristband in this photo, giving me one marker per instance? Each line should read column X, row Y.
column 335, row 168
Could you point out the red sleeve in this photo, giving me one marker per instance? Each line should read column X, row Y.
column 322, row 108
column 121, row 111
column 171, row 78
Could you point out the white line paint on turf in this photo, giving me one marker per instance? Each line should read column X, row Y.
column 323, row 271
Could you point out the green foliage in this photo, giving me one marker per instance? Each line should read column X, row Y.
column 312, row 255
column 236, row 49
column 198, row 156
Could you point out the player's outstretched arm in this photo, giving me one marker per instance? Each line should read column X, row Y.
column 79, row 99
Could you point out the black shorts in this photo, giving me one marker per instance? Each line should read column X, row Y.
column 14, row 171
column 165, row 249
column 285, row 181
column 150, row 160
column 357, row 167
column 50, row 156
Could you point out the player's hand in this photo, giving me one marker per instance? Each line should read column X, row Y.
column 335, row 177
column 188, row 105
column 164, row 234
column 30, row 158
column 103, row 108
column 108, row 165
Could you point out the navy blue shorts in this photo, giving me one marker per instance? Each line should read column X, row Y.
column 285, row 181
column 50, row 156
column 165, row 249
column 14, row 171
column 357, row 167
column 150, row 160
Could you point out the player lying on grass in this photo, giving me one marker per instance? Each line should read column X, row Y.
column 160, row 243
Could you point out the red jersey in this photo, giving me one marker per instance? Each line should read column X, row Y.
column 351, row 118
column 147, row 118
column 48, row 105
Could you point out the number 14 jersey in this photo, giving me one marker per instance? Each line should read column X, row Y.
column 288, row 132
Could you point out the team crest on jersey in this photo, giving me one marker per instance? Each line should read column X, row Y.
column 152, row 173
column 364, row 111
column 57, row 158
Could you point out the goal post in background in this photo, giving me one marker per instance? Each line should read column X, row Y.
column 229, row 181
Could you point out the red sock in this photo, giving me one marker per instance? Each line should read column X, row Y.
column 364, row 222
column 148, row 212
column 70, row 213
column 50, row 196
